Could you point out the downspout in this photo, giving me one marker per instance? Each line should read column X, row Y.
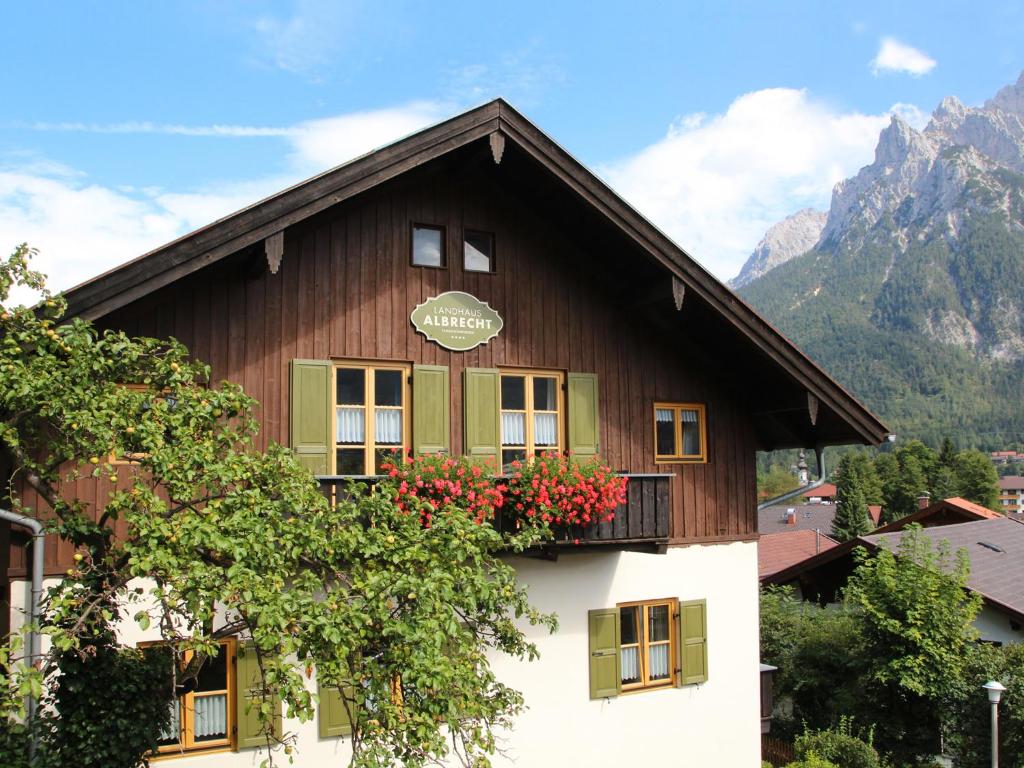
column 819, row 452
column 35, row 607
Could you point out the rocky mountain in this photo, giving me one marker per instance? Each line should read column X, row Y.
column 794, row 235
column 913, row 293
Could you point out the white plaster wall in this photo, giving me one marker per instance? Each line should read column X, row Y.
column 995, row 626
column 716, row 723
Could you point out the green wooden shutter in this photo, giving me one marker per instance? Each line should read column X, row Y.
column 333, row 715
column 605, row 661
column 249, row 698
column 482, row 407
column 584, row 419
column 309, row 416
column 693, row 642
column 431, row 417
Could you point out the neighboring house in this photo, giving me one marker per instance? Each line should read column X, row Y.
column 824, row 493
column 1006, row 457
column 611, row 341
column 1011, row 493
column 994, row 543
column 778, row 551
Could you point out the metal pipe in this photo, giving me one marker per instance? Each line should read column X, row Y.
column 35, row 604
column 819, row 452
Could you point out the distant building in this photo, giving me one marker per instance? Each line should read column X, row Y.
column 993, row 542
column 1011, row 493
column 1006, row 457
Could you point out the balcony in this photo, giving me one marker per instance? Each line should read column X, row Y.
column 641, row 524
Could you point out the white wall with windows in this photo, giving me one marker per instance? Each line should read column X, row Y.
column 712, row 723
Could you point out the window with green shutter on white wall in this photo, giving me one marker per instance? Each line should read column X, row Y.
column 648, row 644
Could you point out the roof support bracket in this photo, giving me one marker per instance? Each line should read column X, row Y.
column 678, row 292
column 274, row 248
column 812, row 408
column 497, row 139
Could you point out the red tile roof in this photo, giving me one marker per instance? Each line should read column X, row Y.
column 824, row 491
column 776, row 551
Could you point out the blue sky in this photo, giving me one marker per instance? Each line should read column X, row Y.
column 123, row 125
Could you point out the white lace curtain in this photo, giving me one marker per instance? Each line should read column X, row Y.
column 388, row 423
column 545, row 429
column 513, row 428
column 211, row 715
column 630, row 665
column 351, row 426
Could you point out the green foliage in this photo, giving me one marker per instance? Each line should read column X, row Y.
column 839, row 745
column 968, row 735
column 976, row 479
column 851, row 519
column 812, row 760
column 111, row 705
column 894, row 656
column 818, row 653
column 357, row 590
column 775, row 482
column 916, row 618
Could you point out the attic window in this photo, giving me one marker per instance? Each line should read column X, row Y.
column 478, row 252
column 428, row 246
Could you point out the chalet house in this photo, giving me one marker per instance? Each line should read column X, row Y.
column 1011, row 493
column 473, row 289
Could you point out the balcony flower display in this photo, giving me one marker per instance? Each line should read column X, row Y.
column 547, row 491
column 563, row 491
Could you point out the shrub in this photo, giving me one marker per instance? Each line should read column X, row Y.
column 839, row 745
column 812, row 760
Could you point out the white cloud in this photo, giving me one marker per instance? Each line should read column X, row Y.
column 716, row 183
column 170, row 129
column 894, row 56
column 304, row 42
column 327, row 142
column 83, row 229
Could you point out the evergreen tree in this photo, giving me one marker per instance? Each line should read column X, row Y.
column 947, row 453
column 851, row 519
column 976, row 479
column 909, row 484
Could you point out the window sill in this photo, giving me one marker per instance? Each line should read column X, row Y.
column 193, row 752
column 682, row 460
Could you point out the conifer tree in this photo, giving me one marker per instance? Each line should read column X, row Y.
column 851, row 518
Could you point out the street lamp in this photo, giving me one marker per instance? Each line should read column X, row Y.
column 995, row 692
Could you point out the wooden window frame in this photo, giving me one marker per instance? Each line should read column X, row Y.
column 494, row 255
column 702, row 421
column 186, row 746
column 369, row 368
column 412, row 245
column 529, row 447
column 643, row 645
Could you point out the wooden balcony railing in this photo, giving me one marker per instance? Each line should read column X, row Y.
column 642, row 523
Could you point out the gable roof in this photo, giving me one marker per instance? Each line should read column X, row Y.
column 995, row 547
column 501, row 123
column 941, row 514
column 776, row 551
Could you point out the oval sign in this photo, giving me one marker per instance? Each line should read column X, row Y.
column 456, row 320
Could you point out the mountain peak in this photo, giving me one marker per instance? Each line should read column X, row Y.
column 1010, row 98
column 793, row 236
column 895, row 142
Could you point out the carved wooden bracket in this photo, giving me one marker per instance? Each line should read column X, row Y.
column 497, row 140
column 678, row 292
column 812, row 408
column 274, row 247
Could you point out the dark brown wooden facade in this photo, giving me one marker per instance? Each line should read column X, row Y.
column 577, row 294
